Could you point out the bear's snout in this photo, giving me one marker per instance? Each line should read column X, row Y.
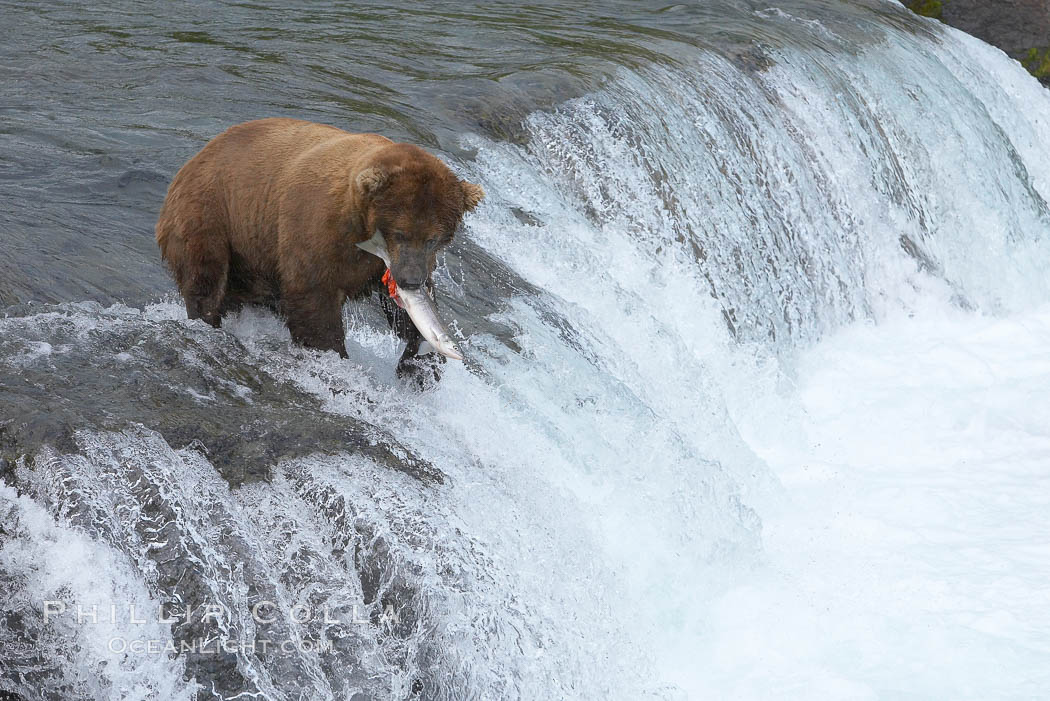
column 410, row 281
column 410, row 269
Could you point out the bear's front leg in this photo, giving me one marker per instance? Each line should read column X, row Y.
column 315, row 319
column 425, row 369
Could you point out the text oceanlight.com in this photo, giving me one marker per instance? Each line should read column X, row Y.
column 204, row 646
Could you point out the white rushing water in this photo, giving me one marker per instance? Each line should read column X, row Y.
column 908, row 555
column 771, row 428
column 905, row 555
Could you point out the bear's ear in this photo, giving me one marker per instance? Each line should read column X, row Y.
column 472, row 195
column 371, row 180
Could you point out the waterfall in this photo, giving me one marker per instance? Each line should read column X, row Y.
column 554, row 519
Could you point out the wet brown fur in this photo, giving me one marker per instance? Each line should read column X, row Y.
column 269, row 211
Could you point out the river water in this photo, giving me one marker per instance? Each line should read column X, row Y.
column 706, row 443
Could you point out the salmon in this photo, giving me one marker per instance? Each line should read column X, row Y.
column 418, row 303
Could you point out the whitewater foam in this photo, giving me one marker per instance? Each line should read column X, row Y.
column 909, row 556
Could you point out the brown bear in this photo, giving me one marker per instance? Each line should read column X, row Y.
column 269, row 212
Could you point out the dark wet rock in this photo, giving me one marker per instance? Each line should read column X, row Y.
column 1013, row 25
column 57, row 376
column 1021, row 28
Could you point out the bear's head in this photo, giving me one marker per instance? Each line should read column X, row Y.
column 417, row 203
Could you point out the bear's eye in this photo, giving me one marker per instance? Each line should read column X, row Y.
column 438, row 242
